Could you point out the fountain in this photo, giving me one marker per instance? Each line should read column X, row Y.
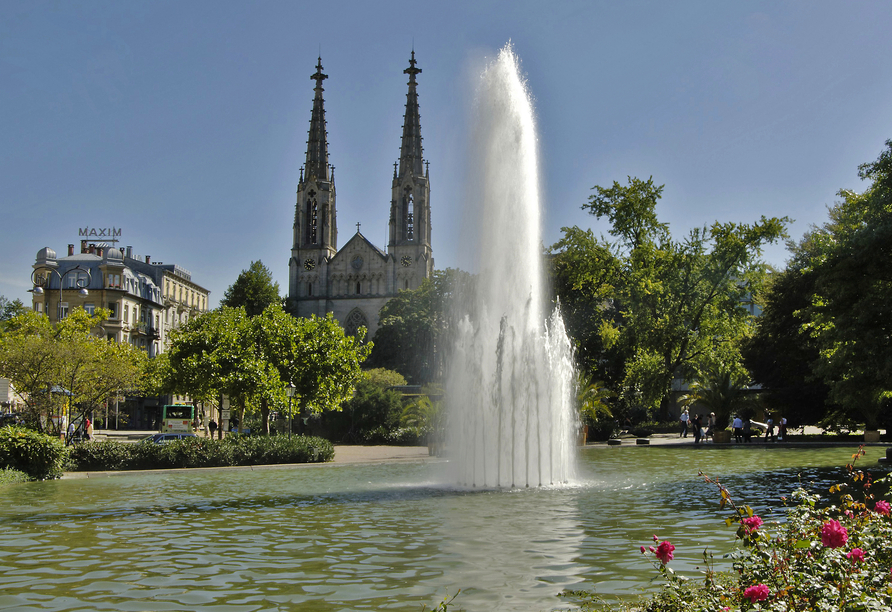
column 510, row 388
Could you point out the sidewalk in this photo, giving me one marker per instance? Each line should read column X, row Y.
column 673, row 439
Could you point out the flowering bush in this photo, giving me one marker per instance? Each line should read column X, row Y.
column 759, row 592
column 833, row 534
column 827, row 558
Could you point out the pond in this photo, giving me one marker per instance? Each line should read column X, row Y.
column 376, row 537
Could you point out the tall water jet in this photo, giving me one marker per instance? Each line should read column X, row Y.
column 510, row 388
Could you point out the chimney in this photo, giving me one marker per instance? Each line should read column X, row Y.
column 70, row 250
column 129, row 252
column 148, row 259
column 83, row 246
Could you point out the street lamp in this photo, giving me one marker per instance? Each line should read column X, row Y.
column 41, row 280
column 289, row 391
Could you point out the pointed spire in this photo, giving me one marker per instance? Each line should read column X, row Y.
column 411, row 154
column 317, row 143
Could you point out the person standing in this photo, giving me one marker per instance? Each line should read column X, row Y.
column 769, row 429
column 710, row 425
column 737, row 426
column 88, row 429
column 697, row 424
column 71, row 431
column 685, row 419
column 782, row 429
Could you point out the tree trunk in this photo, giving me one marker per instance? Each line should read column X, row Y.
column 264, row 415
column 241, row 414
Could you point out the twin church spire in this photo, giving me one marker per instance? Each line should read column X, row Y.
column 317, row 145
column 322, row 276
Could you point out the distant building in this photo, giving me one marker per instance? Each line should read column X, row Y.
column 356, row 281
column 146, row 300
column 9, row 399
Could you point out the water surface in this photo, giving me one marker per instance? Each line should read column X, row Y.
column 378, row 537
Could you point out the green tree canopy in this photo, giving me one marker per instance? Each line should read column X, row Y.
column 10, row 309
column 413, row 336
column 654, row 308
column 52, row 365
column 253, row 360
column 254, row 290
column 850, row 314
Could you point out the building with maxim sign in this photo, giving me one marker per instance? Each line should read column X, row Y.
column 355, row 281
column 145, row 299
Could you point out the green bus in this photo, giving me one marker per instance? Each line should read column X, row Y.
column 177, row 418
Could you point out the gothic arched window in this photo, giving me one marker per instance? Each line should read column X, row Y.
column 312, row 218
column 409, row 215
column 354, row 321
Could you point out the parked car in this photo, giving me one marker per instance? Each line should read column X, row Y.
column 164, row 438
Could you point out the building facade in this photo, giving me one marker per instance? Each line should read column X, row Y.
column 145, row 300
column 355, row 281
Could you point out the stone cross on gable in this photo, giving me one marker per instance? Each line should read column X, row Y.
column 357, row 227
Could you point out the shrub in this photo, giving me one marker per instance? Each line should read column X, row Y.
column 825, row 557
column 9, row 476
column 201, row 452
column 38, row 455
column 599, row 431
column 100, row 455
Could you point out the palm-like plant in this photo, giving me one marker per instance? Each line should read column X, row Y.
column 592, row 396
column 721, row 390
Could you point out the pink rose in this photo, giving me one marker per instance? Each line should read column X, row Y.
column 664, row 552
column 756, row 593
column 751, row 524
column 882, row 507
column 856, row 554
column 834, row 535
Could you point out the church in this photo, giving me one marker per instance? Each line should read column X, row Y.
column 355, row 281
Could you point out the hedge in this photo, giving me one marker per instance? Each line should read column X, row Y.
column 199, row 452
column 38, row 455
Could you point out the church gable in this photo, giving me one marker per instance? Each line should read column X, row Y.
column 359, row 268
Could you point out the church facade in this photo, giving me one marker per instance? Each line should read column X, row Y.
column 356, row 281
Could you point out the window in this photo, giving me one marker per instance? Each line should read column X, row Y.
column 126, row 312
column 63, row 310
column 113, row 310
column 113, row 281
column 309, row 289
column 358, row 288
column 90, row 308
column 38, row 307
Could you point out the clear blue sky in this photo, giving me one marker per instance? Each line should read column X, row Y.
column 184, row 123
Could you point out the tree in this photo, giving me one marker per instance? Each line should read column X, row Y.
column 666, row 308
column 850, row 314
column 254, row 290
column 413, row 336
column 253, row 360
column 722, row 390
column 779, row 355
column 66, row 360
column 10, row 309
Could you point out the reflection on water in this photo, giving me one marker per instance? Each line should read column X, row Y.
column 377, row 537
